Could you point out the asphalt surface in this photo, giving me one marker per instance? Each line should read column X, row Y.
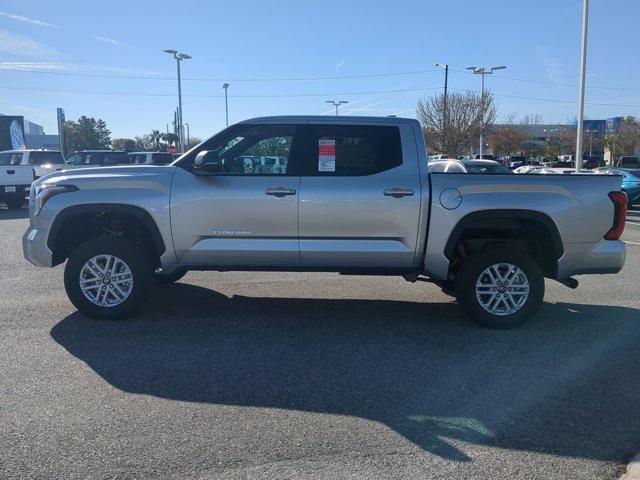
column 300, row 376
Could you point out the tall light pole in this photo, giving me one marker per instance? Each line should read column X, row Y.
column 482, row 72
column 179, row 57
column 583, row 72
column 444, row 113
column 188, row 138
column 336, row 104
column 226, row 102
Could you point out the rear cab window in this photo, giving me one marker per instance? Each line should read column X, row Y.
column 45, row 158
column 138, row 158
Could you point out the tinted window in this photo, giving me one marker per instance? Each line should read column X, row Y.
column 352, row 150
column 115, row 158
column 75, row 159
column 45, row 158
column 161, row 158
column 487, row 169
column 138, row 158
column 10, row 158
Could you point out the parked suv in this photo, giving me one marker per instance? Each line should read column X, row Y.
column 354, row 196
column 98, row 158
column 629, row 162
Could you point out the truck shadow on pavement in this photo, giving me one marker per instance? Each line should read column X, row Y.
column 567, row 383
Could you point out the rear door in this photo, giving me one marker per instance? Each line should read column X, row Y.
column 360, row 196
column 246, row 215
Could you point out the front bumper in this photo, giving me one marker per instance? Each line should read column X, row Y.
column 606, row 256
column 34, row 240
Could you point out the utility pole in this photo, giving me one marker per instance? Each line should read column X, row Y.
column 583, row 74
column 179, row 57
column 226, row 102
column 445, row 111
column 482, row 72
column 337, row 104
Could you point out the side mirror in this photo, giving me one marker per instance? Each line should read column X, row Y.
column 207, row 161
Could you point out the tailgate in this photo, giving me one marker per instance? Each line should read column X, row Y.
column 15, row 176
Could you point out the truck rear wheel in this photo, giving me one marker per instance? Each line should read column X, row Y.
column 108, row 277
column 500, row 289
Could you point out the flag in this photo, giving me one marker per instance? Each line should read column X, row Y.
column 17, row 138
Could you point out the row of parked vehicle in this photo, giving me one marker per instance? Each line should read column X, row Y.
column 630, row 176
column 19, row 168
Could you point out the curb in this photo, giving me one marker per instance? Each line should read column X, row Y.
column 633, row 469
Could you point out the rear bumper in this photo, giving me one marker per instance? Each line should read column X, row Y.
column 606, row 256
column 20, row 190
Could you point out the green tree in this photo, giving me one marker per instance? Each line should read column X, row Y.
column 170, row 138
column 87, row 133
column 123, row 144
column 193, row 141
column 624, row 140
column 156, row 136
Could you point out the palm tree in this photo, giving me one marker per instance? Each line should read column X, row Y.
column 170, row 138
column 155, row 138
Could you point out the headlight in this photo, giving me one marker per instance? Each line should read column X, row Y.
column 45, row 192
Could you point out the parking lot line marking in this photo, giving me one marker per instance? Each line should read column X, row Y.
column 630, row 243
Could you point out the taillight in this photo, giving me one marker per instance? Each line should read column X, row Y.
column 619, row 200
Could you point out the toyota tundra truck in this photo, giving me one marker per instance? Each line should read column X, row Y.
column 352, row 195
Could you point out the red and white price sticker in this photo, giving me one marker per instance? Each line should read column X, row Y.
column 327, row 155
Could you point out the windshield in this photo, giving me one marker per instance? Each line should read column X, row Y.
column 45, row 157
column 487, row 169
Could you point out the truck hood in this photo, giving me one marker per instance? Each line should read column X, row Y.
column 109, row 178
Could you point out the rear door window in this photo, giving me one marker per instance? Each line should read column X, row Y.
column 161, row 158
column 10, row 158
column 115, row 158
column 354, row 150
column 138, row 158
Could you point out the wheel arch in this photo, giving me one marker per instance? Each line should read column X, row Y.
column 504, row 220
column 80, row 211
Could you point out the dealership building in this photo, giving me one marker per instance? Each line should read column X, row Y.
column 34, row 137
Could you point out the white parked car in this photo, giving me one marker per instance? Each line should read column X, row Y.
column 151, row 158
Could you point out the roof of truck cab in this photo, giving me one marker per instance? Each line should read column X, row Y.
column 325, row 118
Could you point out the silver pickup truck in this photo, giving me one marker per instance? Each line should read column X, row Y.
column 351, row 195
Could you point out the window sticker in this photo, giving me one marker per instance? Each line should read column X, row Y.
column 326, row 155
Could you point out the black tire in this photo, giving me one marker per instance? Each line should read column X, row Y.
column 14, row 202
column 470, row 273
column 131, row 254
column 166, row 278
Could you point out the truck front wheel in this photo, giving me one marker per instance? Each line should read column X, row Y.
column 108, row 277
column 500, row 289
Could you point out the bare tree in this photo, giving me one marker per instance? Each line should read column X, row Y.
column 508, row 138
column 464, row 114
column 532, row 119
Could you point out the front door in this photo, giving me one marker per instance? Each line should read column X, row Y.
column 246, row 215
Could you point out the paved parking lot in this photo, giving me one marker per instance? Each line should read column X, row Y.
column 264, row 375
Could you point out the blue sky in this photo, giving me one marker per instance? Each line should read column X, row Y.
column 264, row 40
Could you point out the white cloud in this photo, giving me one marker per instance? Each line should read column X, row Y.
column 110, row 41
column 340, row 64
column 76, row 68
column 18, row 45
column 32, row 21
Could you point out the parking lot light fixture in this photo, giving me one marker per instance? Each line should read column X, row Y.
column 482, row 71
column 337, row 103
column 179, row 57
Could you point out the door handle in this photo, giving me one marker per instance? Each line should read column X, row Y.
column 280, row 191
column 398, row 192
